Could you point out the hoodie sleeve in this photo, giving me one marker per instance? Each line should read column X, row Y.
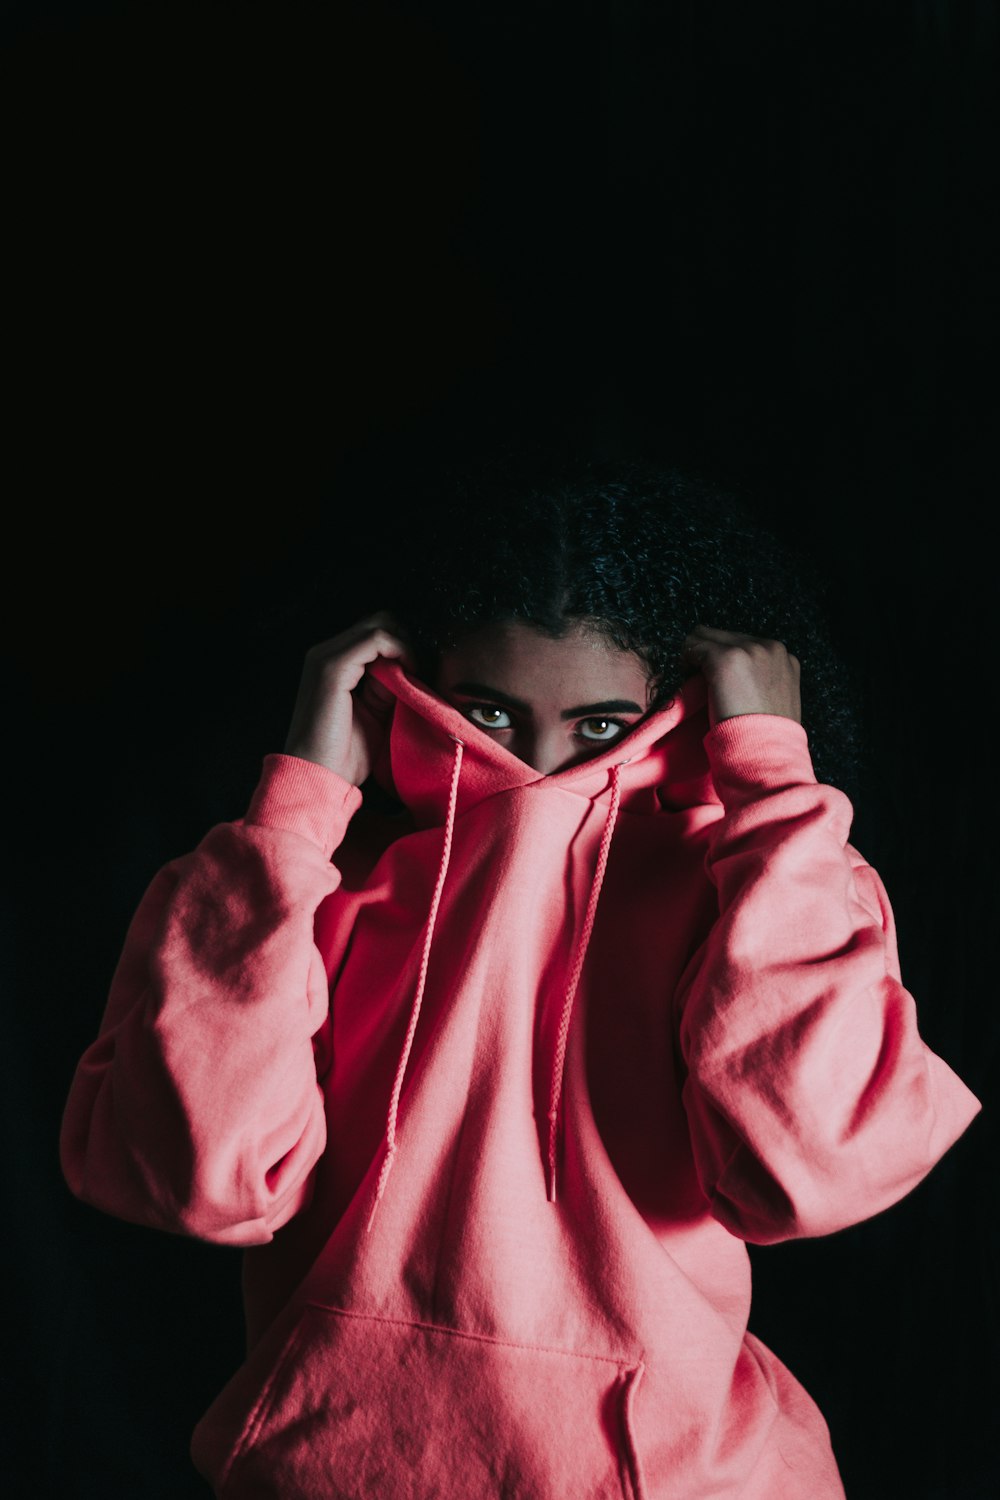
column 813, row 1103
column 197, row 1109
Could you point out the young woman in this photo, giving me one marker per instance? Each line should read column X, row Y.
column 539, row 977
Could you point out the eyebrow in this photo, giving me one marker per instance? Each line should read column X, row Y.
column 609, row 706
column 494, row 695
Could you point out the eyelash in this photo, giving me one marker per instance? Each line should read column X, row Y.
column 596, row 739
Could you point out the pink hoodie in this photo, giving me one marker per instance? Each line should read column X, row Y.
column 495, row 1100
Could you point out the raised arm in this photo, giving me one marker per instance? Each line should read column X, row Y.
column 812, row 1100
column 198, row 1108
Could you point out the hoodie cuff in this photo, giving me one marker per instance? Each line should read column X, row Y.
column 750, row 753
column 302, row 797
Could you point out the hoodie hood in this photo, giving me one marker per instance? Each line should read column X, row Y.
column 662, row 760
column 441, row 766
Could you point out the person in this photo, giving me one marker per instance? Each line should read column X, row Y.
column 538, row 979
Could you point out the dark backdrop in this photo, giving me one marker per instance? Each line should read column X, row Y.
column 265, row 260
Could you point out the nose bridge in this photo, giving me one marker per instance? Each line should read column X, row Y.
column 546, row 748
column 529, row 746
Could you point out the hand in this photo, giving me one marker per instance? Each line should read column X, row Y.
column 745, row 674
column 342, row 715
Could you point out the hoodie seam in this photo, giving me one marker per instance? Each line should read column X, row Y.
column 620, row 1361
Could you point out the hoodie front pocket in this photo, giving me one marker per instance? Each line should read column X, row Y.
column 370, row 1408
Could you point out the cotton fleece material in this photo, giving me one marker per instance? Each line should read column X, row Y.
column 494, row 1092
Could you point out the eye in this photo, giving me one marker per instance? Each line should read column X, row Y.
column 600, row 729
column 489, row 716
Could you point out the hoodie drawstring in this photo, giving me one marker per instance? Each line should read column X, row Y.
column 572, row 985
column 397, row 1088
column 576, row 971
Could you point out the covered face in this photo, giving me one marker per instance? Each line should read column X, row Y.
column 551, row 701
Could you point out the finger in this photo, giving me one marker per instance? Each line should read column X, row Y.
column 367, row 650
column 711, row 633
column 381, row 619
column 394, row 646
column 697, row 648
column 359, row 645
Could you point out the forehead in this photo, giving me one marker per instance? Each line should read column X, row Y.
column 578, row 667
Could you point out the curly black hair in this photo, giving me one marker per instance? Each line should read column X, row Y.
column 642, row 551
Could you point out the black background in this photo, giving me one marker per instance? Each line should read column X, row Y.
column 264, row 260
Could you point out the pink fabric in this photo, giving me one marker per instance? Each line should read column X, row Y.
column 736, row 1060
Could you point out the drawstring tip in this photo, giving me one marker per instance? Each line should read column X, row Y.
column 550, row 1165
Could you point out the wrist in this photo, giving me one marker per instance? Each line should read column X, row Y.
column 304, row 797
column 329, row 757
